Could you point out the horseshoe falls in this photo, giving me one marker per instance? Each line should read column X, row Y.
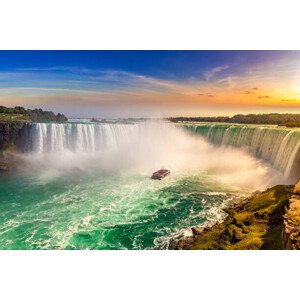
column 87, row 185
column 278, row 146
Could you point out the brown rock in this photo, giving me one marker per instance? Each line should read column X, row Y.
column 185, row 243
column 256, row 193
column 197, row 230
column 237, row 234
column 297, row 188
column 291, row 224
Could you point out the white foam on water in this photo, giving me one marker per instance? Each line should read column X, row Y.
column 214, row 193
column 86, row 220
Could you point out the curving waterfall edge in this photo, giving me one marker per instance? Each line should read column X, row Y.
column 277, row 145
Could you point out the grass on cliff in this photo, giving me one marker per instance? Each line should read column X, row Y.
column 254, row 224
column 12, row 117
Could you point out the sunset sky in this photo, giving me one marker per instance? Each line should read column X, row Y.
column 151, row 83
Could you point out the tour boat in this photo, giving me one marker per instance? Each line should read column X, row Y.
column 160, row 174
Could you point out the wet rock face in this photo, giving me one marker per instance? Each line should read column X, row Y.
column 16, row 133
column 197, row 230
column 185, row 243
column 14, row 137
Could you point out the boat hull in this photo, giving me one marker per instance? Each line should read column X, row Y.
column 160, row 174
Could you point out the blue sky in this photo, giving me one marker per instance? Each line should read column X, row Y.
column 151, row 83
column 163, row 64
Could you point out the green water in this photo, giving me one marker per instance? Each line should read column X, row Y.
column 94, row 210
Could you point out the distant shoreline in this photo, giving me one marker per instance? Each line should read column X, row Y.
column 288, row 120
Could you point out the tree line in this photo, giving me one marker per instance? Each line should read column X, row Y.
column 35, row 115
column 272, row 119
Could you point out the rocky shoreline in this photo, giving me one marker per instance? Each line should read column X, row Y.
column 268, row 220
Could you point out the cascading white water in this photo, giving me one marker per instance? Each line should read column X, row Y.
column 100, row 145
column 79, row 137
column 278, row 146
column 142, row 147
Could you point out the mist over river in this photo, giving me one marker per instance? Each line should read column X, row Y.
column 87, row 185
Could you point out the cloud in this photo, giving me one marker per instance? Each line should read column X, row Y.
column 81, row 87
column 87, row 80
column 229, row 82
column 98, row 75
column 207, row 95
column 213, row 72
column 288, row 100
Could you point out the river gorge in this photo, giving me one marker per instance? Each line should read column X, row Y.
column 85, row 185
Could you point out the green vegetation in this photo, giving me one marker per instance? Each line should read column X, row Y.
column 292, row 124
column 18, row 113
column 291, row 120
column 254, row 224
column 38, row 115
column 13, row 117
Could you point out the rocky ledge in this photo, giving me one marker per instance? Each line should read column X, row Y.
column 255, row 223
column 291, row 224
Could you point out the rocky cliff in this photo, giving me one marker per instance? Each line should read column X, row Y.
column 291, row 224
column 14, row 137
column 15, row 133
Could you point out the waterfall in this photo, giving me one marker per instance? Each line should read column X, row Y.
column 109, row 146
column 277, row 145
column 80, row 137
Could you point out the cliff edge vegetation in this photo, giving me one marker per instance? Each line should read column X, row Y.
column 13, row 118
column 289, row 120
column 255, row 223
column 19, row 113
